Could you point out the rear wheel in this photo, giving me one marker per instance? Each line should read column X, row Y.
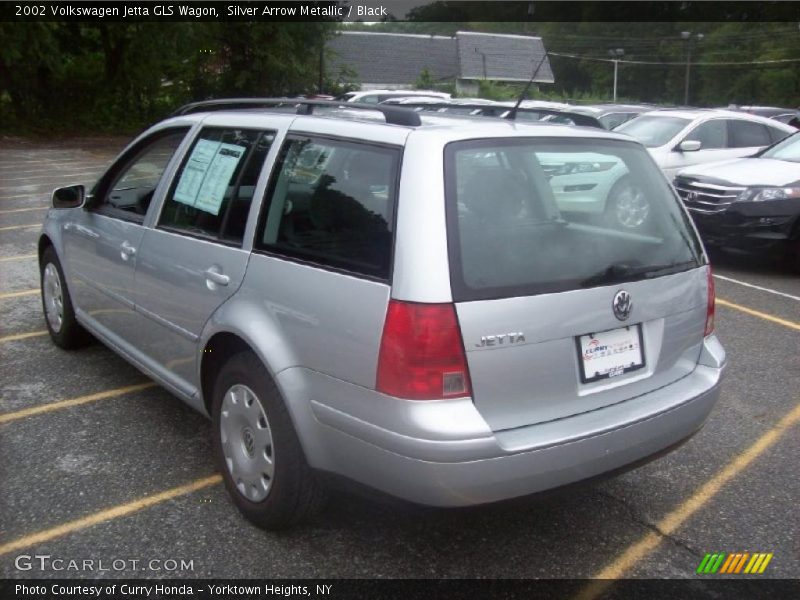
column 257, row 449
column 627, row 206
column 59, row 315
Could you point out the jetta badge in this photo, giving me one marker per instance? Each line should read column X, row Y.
column 622, row 305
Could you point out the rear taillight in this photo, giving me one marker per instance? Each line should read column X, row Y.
column 422, row 355
column 711, row 302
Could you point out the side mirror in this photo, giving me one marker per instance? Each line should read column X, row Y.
column 690, row 146
column 69, row 197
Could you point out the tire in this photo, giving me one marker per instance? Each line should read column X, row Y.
column 257, row 450
column 793, row 255
column 627, row 206
column 65, row 331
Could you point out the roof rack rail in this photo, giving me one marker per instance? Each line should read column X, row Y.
column 500, row 111
column 394, row 115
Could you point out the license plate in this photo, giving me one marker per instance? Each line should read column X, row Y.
column 610, row 353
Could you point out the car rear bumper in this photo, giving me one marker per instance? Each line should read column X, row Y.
column 449, row 469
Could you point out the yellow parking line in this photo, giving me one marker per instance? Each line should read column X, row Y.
column 62, row 404
column 17, row 196
column 115, row 512
column 18, row 257
column 52, row 177
column 29, row 226
column 22, row 336
column 19, row 294
column 669, row 524
column 759, row 314
column 19, row 210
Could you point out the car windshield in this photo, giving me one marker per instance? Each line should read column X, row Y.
column 653, row 130
column 532, row 216
column 788, row 149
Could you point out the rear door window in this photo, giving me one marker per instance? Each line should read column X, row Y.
column 746, row 134
column 213, row 190
column 532, row 216
column 331, row 203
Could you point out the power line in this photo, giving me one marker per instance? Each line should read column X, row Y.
column 682, row 63
column 717, row 36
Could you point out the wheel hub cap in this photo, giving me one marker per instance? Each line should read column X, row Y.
column 53, row 297
column 247, row 442
column 632, row 208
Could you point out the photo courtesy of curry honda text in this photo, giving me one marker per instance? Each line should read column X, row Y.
column 390, row 297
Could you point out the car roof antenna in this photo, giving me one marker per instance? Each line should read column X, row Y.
column 512, row 114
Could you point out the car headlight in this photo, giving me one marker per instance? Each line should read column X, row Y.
column 770, row 193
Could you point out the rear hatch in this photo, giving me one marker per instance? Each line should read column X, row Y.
column 564, row 311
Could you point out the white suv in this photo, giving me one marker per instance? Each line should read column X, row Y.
column 681, row 138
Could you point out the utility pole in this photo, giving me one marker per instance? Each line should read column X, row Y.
column 687, row 35
column 321, row 82
column 615, row 58
column 483, row 60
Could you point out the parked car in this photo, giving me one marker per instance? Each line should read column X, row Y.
column 598, row 186
column 612, row 115
column 551, row 112
column 376, row 96
column 681, row 138
column 400, row 303
column 453, row 106
column 790, row 116
column 750, row 203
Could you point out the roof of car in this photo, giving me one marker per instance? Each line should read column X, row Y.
column 602, row 109
column 465, row 127
column 370, row 124
column 698, row 113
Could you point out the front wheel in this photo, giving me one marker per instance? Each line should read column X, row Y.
column 627, row 206
column 793, row 255
column 257, row 449
column 64, row 329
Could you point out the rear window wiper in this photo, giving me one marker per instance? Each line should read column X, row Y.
column 619, row 272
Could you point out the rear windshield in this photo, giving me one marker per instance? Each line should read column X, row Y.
column 532, row 216
column 653, row 131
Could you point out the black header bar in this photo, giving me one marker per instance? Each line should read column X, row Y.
column 402, row 10
column 391, row 589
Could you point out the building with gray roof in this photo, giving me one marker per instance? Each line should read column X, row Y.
column 395, row 60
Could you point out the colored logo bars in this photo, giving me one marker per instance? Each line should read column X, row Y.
column 720, row 562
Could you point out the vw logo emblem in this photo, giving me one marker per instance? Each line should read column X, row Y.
column 249, row 441
column 622, row 305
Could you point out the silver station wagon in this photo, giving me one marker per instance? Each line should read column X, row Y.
column 390, row 297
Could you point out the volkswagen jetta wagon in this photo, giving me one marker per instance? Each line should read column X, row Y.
column 389, row 297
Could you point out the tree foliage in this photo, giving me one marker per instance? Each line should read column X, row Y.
column 121, row 76
column 657, row 43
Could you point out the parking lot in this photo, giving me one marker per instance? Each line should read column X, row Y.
column 97, row 463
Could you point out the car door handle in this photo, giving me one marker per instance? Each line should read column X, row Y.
column 215, row 276
column 127, row 251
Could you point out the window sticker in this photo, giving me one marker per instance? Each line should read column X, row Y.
column 205, row 178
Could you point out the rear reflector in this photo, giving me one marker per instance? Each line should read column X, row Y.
column 422, row 355
column 711, row 304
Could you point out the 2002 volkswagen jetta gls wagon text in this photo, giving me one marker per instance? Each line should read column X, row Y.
column 393, row 298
